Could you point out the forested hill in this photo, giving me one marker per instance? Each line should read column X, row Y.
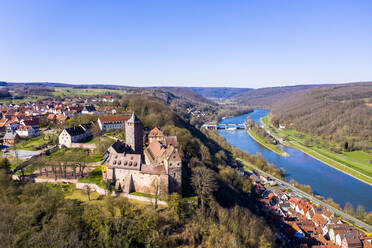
column 339, row 113
column 188, row 94
column 218, row 92
column 268, row 97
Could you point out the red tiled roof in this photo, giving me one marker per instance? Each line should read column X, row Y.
column 156, row 132
column 155, row 149
column 23, row 128
column 148, row 168
column 114, row 118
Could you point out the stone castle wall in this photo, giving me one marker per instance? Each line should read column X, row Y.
column 136, row 181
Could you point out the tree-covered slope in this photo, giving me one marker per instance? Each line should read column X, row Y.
column 340, row 114
column 268, row 97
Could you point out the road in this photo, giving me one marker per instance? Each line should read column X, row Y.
column 315, row 200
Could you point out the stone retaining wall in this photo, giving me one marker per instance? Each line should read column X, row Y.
column 93, row 187
column 83, row 146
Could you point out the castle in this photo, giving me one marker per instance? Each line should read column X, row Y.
column 157, row 168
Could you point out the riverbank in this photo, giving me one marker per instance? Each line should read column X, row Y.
column 271, row 147
column 350, row 167
column 361, row 225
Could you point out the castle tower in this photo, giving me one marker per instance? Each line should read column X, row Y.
column 134, row 134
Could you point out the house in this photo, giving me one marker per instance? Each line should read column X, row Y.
column 74, row 135
column 62, row 118
column 89, row 110
column 112, row 122
column 349, row 239
column 10, row 137
column 155, row 169
column 51, row 117
column 3, row 123
column 335, row 229
column 26, row 131
column 33, row 122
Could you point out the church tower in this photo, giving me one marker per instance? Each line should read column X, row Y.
column 134, row 134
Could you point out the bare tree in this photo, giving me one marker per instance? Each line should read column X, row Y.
column 88, row 189
column 204, row 182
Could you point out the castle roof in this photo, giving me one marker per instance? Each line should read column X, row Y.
column 133, row 118
column 156, row 132
column 155, row 149
column 171, row 140
column 121, row 147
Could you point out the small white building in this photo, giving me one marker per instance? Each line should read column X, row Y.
column 74, row 135
column 26, row 131
column 90, row 110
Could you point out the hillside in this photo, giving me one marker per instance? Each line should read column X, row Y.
column 268, row 97
column 187, row 94
column 218, row 92
column 341, row 114
column 53, row 215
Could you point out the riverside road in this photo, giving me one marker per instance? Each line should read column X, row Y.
column 310, row 197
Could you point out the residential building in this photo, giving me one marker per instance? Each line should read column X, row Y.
column 108, row 123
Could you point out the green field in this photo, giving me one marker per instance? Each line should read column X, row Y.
column 354, row 163
column 263, row 142
column 75, row 154
column 34, row 143
column 63, row 92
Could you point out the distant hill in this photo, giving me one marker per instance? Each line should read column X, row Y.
column 339, row 113
column 188, row 94
column 268, row 97
column 218, row 92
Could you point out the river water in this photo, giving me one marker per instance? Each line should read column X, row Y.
column 323, row 179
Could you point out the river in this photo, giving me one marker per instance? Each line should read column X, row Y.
column 323, row 179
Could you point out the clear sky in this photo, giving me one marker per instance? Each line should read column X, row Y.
column 186, row 43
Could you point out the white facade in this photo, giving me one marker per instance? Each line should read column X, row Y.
column 110, row 125
column 26, row 133
column 66, row 139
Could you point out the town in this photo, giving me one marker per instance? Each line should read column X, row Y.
column 302, row 223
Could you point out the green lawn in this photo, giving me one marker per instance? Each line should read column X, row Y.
column 95, row 176
column 353, row 163
column 263, row 142
column 34, row 143
column 81, row 195
column 75, row 154
column 359, row 156
column 143, row 194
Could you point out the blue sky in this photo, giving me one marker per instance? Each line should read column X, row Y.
column 186, row 43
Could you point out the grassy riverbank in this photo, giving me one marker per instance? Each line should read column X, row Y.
column 354, row 164
column 269, row 146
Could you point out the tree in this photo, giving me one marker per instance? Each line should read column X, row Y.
column 204, row 183
column 109, row 187
column 5, row 165
column 176, row 206
column 361, row 212
column 88, row 189
column 349, row 209
column 368, row 218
